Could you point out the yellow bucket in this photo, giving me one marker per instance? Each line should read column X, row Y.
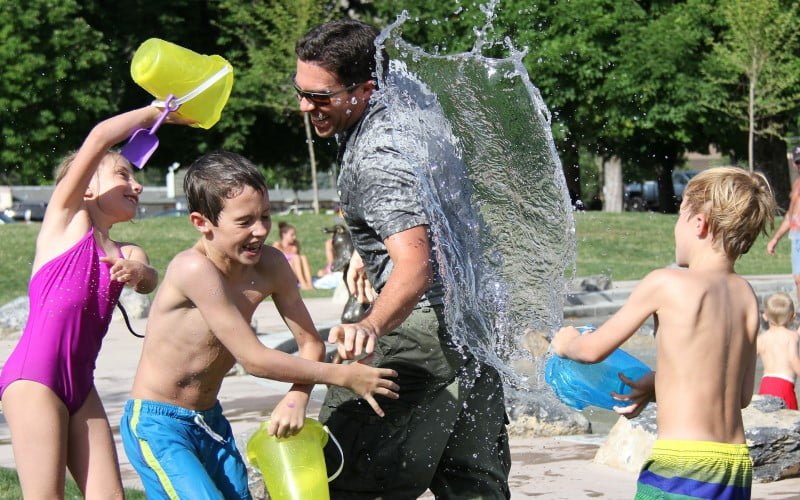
column 201, row 83
column 293, row 467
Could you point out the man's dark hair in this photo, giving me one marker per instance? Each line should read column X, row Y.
column 217, row 176
column 345, row 47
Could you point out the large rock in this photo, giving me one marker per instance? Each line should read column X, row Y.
column 772, row 433
column 136, row 305
column 13, row 316
column 540, row 414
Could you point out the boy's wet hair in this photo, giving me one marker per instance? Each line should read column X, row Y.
column 779, row 309
column 739, row 205
column 216, row 177
column 345, row 47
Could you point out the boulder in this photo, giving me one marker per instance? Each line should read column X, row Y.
column 13, row 316
column 541, row 414
column 772, row 433
column 137, row 305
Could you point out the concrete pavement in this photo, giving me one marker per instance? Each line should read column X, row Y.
column 551, row 468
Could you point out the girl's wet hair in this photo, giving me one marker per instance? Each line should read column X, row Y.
column 66, row 162
column 216, row 177
column 739, row 205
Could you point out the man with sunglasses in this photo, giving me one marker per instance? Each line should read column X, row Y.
column 791, row 225
column 447, row 431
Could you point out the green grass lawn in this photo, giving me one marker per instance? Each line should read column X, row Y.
column 622, row 246
column 9, row 488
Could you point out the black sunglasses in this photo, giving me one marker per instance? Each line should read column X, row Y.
column 320, row 98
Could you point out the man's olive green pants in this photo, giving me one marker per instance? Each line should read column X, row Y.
column 446, row 432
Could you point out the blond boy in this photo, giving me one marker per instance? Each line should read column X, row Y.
column 173, row 429
column 707, row 319
column 777, row 348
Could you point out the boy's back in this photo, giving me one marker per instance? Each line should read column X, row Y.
column 777, row 348
column 707, row 326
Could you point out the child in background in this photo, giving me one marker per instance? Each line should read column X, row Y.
column 778, row 350
column 173, row 429
column 55, row 416
column 707, row 321
column 288, row 244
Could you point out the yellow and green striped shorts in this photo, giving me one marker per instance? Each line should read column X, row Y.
column 682, row 469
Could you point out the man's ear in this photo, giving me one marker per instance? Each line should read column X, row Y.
column 369, row 88
column 200, row 222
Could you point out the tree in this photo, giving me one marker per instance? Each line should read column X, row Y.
column 53, row 87
column 756, row 68
column 269, row 127
column 652, row 92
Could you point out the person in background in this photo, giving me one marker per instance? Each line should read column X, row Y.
column 791, row 225
column 778, row 350
column 290, row 246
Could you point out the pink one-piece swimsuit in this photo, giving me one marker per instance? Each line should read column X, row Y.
column 72, row 299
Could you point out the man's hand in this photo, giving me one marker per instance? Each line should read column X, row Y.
column 357, row 282
column 354, row 339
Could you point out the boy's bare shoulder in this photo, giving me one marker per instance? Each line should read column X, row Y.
column 189, row 264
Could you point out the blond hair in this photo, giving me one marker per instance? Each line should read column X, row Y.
column 66, row 162
column 779, row 309
column 738, row 205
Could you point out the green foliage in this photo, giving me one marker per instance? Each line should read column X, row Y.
column 48, row 53
column 754, row 69
column 9, row 488
column 269, row 127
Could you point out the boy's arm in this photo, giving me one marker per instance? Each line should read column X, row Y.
column 201, row 283
column 596, row 346
column 749, row 381
column 794, row 355
column 289, row 414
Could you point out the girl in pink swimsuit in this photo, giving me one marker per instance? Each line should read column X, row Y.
column 53, row 411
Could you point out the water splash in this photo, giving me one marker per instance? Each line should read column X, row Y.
column 494, row 188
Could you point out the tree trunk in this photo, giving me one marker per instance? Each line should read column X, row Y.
column 612, row 185
column 572, row 173
column 772, row 161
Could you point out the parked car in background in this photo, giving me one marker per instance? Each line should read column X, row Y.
column 640, row 196
column 27, row 211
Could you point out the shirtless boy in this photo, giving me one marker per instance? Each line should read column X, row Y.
column 173, row 429
column 707, row 319
column 777, row 348
column 791, row 225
